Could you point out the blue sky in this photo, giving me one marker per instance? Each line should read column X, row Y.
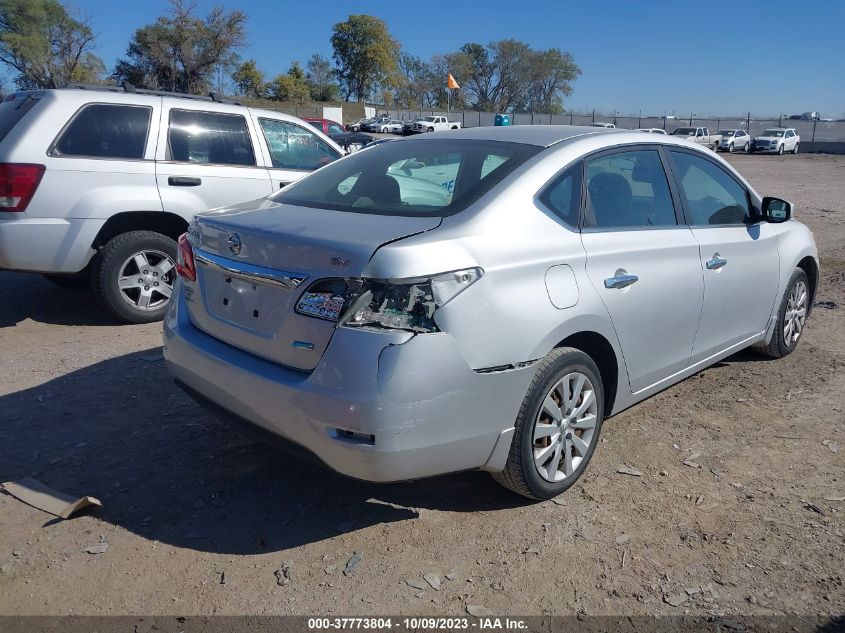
column 716, row 57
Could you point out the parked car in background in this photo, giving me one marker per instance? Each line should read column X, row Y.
column 391, row 127
column 700, row 135
column 653, row 130
column 729, row 140
column 409, row 126
column 355, row 126
column 810, row 116
column 436, row 123
column 375, row 124
column 776, row 140
column 98, row 184
column 356, row 313
column 602, row 124
column 350, row 141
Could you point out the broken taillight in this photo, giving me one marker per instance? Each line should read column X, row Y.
column 18, row 183
column 185, row 266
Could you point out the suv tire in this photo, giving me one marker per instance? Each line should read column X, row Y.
column 123, row 257
column 533, row 440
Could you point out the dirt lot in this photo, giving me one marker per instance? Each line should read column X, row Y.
column 758, row 528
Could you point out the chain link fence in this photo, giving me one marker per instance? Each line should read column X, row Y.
column 809, row 131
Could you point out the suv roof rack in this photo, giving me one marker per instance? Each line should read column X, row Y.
column 128, row 87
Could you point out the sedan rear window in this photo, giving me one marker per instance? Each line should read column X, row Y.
column 412, row 178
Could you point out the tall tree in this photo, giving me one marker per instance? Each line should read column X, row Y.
column 549, row 77
column 290, row 87
column 321, row 79
column 46, row 46
column 365, row 55
column 181, row 51
column 249, row 80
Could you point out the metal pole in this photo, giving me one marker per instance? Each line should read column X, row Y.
column 813, row 140
column 594, row 115
column 748, row 123
column 664, row 121
column 570, row 118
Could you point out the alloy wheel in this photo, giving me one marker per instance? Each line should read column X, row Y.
column 565, row 427
column 795, row 314
column 146, row 279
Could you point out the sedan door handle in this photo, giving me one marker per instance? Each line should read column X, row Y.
column 184, row 181
column 620, row 281
column 716, row 263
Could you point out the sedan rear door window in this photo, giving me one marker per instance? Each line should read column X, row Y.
column 628, row 190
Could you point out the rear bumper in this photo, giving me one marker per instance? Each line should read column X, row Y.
column 47, row 245
column 380, row 406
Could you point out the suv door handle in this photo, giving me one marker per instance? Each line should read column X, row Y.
column 716, row 263
column 620, row 281
column 184, row 181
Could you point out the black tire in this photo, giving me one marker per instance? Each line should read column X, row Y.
column 520, row 474
column 795, row 149
column 105, row 272
column 780, row 149
column 70, row 282
column 730, row 148
column 779, row 347
column 747, row 148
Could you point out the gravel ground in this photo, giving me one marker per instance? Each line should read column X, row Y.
column 199, row 519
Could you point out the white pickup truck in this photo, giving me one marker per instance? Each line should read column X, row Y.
column 435, row 123
column 699, row 135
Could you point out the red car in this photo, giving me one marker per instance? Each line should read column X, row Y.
column 350, row 141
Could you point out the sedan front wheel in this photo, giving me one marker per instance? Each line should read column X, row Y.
column 792, row 316
column 557, row 427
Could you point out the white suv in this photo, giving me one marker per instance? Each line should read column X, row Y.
column 776, row 140
column 99, row 183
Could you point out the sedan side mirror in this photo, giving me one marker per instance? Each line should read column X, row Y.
column 776, row 210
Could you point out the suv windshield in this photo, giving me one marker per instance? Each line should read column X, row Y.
column 684, row 131
column 726, row 133
column 776, row 133
column 421, row 178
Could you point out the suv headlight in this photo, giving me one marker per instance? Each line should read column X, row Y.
column 398, row 304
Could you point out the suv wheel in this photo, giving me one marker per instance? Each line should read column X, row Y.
column 795, row 149
column 792, row 316
column 780, row 148
column 133, row 275
column 557, row 427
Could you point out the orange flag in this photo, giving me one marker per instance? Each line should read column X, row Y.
column 451, row 83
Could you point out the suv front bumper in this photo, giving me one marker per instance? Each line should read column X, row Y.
column 380, row 406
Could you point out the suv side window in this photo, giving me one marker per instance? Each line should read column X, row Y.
column 102, row 130
column 293, row 147
column 563, row 195
column 209, row 138
column 713, row 196
column 628, row 189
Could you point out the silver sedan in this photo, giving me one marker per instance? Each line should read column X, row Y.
column 482, row 299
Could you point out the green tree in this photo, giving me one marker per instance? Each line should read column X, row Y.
column 365, row 55
column 46, row 46
column 321, row 79
column 181, row 51
column 249, row 80
column 290, row 87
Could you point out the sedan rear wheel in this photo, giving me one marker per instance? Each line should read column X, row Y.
column 795, row 149
column 730, row 148
column 747, row 148
column 557, row 427
column 780, row 148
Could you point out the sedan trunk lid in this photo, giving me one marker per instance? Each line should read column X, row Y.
column 254, row 260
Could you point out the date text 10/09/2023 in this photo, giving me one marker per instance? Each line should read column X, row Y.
column 416, row 624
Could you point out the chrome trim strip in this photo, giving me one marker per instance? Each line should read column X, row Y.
column 250, row 272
